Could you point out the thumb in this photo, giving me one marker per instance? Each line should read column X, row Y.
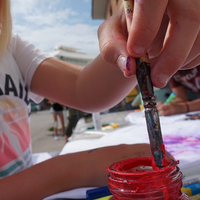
column 112, row 37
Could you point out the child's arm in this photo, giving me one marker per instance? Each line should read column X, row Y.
column 62, row 173
column 93, row 88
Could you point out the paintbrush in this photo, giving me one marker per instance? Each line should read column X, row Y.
column 149, row 100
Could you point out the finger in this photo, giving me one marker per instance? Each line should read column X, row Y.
column 112, row 36
column 165, row 112
column 194, row 53
column 182, row 32
column 160, row 104
column 160, row 108
column 195, row 62
column 147, row 17
column 157, row 44
column 166, row 109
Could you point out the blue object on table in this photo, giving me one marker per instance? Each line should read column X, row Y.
column 97, row 193
column 195, row 188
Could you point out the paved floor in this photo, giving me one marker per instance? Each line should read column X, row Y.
column 42, row 138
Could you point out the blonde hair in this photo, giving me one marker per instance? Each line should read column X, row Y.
column 6, row 25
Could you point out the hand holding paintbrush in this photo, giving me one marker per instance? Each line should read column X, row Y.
column 146, row 88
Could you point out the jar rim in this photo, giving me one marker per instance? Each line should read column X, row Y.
column 116, row 168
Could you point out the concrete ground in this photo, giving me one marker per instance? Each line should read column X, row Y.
column 42, row 138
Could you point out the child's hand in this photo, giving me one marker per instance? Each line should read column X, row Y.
column 168, row 30
column 171, row 108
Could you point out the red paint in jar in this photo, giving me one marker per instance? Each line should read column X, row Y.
column 135, row 179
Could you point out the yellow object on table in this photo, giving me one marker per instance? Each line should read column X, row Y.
column 104, row 198
column 112, row 126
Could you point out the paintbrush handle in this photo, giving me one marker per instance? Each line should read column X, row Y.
column 146, row 87
column 151, row 113
column 143, row 74
column 128, row 7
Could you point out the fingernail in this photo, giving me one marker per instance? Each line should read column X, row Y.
column 121, row 62
column 128, row 63
column 162, row 78
column 138, row 50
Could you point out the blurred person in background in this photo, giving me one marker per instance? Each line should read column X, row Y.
column 57, row 111
column 185, row 84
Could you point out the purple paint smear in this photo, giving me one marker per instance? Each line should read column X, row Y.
column 128, row 63
column 180, row 145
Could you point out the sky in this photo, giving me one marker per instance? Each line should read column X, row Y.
column 49, row 23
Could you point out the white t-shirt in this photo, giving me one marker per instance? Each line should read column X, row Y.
column 17, row 68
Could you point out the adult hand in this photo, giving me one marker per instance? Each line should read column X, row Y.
column 168, row 30
column 171, row 108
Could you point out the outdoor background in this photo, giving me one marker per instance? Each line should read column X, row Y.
column 48, row 23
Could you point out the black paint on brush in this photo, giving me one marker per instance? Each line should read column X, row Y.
column 151, row 112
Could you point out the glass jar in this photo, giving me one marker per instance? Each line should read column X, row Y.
column 135, row 179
